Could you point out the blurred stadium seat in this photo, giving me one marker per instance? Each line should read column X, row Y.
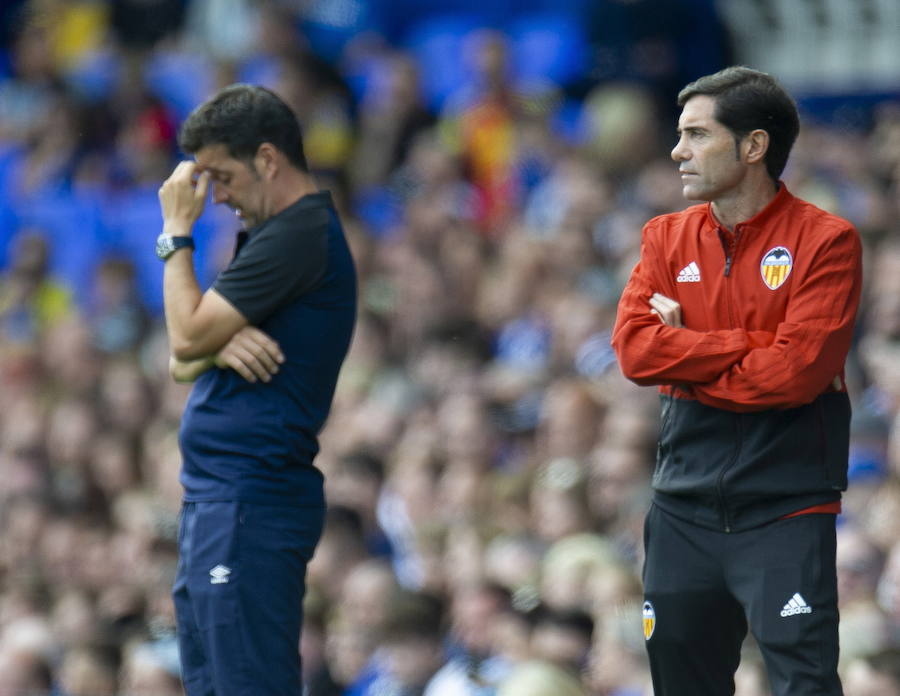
column 438, row 46
column 548, row 47
column 73, row 224
column 180, row 78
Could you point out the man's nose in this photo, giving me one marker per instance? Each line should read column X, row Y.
column 679, row 152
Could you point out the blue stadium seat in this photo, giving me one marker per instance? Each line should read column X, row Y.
column 8, row 219
column 547, row 47
column 366, row 74
column 438, row 45
column 133, row 221
column 568, row 122
column 180, row 79
column 9, row 225
column 74, row 228
column 328, row 25
column 259, row 70
column 96, row 76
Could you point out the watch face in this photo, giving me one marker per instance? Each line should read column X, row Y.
column 164, row 246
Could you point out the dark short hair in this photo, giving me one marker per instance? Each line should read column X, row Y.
column 243, row 117
column 747, row 100
column 574, row 620
column 416, row 616
column 363, row 463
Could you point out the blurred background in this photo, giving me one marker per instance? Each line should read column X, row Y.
column 487, row 468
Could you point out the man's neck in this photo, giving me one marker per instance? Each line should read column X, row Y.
column 291, row 189
column 744, row 204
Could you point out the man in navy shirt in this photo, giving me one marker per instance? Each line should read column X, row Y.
column 265, row 344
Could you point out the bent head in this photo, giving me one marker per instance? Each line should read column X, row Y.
column 241, row 136
column 732, row 120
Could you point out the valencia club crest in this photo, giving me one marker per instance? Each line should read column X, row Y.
column 649, row 620
column 776, row 267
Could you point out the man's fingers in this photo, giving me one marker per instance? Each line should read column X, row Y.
column 255, row 340
column 664, row 301
column 252, row 354
column 257, row 367
column 184, row 170
column 202, row 186
column 256, row 364
column 667, row 309
column 183, row 195
column 257, row 353
column 231, row 360
column 659, row 307
column 264, row 359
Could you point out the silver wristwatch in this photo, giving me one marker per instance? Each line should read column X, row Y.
column 166, row 245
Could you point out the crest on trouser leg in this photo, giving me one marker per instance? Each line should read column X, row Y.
column 649, row 615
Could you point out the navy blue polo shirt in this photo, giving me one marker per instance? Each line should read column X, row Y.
column 293, row 278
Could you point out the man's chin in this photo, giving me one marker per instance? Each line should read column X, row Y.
column 692, row 194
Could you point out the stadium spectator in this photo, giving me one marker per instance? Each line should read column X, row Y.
column 412, row 648
column 537, row 678
column 474, row 659
column 31, row 300
column 562, row 637
column 875, row 675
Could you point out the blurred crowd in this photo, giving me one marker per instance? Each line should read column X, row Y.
column 487, row 467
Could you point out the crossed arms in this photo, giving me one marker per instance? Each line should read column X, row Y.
column 205, row 330
column 736, row 369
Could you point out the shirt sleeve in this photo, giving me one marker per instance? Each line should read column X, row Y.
column 810, row 345
column 651, row 352
column 278, row 264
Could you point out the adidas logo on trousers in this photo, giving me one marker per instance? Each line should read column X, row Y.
column 796, row 605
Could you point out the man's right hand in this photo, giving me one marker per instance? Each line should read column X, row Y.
column 182, row 197
column 252, row 354
column 667, row 309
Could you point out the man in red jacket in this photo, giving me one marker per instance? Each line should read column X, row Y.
column 741, row 309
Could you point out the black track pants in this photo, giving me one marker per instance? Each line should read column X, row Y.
column 702, row 588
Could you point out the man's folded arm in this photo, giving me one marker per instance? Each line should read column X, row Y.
column 811, row 343
column 651, row 352
column 199, row 324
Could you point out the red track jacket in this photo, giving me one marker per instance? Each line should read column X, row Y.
column 756, row 418
column 768, row 311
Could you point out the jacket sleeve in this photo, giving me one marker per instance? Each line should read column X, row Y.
column 810, row 345
column 650, row 352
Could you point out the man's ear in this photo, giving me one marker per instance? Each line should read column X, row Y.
column 756, row 145
column 266, row 161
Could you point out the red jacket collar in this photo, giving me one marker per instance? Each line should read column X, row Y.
column 782, row 200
